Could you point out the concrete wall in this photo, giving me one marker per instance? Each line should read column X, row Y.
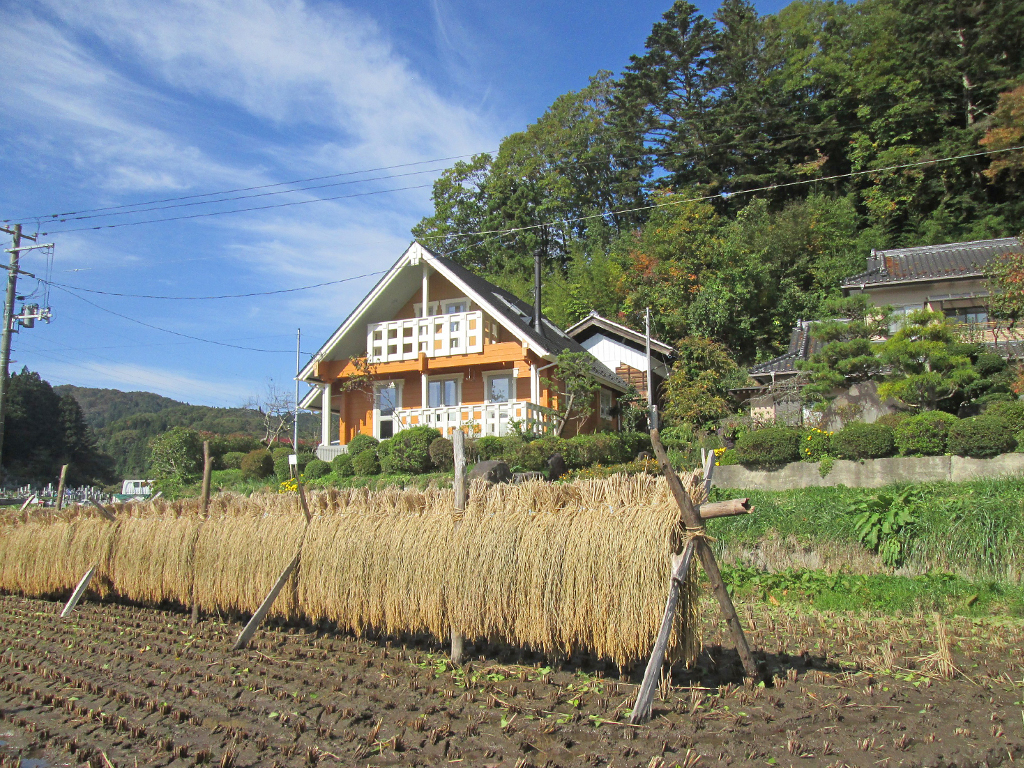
column 872, row 473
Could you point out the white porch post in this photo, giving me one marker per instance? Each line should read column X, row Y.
column 534, row 385
column 423, row 390
column 325, row 413
column 426, row 289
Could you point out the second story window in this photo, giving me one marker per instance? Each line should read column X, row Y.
column 499, row 388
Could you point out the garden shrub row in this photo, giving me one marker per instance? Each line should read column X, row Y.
column 999, row 429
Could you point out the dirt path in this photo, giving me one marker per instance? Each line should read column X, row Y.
column 125, row 686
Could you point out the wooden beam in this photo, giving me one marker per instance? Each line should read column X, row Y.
column 725, row 509
column 645, row 698
column 60, row 487
column 261, row 612
column 207, row 471
column 503, row 352
column 693, row 522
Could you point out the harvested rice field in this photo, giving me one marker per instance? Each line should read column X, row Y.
column 117, row 685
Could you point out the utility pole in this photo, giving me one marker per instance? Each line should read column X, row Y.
column 652, row 409
column 5, row 343
column 298, row 370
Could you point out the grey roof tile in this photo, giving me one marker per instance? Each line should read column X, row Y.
column 932, row 262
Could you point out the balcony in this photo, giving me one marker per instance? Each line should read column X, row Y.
column 479, row 419
column 459, row 333
column 989, row 331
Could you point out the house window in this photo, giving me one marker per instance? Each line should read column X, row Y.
column 500, row 388
column 899, row 316
column 442, row 393
column 453, row 307
column 607, row 403
column 968, row 315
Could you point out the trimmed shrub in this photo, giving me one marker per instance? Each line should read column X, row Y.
column 981, row 437
column 768, row 447
column 281, row 467
column 533, row 456
column 989, row 363
column 491, row 447
column 924, row 434
column 586, row 450
column 316, row 469
column 442, row 454
column 635, row 443
column 282, row 450
column 1019, row 437
column 360, row 443
column 365, row 463
column 257, row 465
column 893, row 420
column 341, row 465
column 1012, row 411
column 858, row 440
column 233, row 459
column 408, row 451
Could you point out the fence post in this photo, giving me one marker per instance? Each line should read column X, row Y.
column 60, row 487
column 459, row 450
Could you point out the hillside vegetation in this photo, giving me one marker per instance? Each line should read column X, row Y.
column 710, row 179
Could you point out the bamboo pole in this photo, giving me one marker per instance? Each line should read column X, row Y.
column 725, row 509
column 60, row 487
column 459, row 451
column 645, row 698
column 694, row 524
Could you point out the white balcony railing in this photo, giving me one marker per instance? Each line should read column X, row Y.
column 479, row 419
column 459, row 333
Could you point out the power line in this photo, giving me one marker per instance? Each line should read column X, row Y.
column 721, row 195
column 168, row 330
column 249, row 189
column 206, row 298
column 237, row 210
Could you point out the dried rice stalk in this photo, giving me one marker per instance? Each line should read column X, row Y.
column 558, row 567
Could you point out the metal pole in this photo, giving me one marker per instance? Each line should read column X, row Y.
column 298, row 369
column 5, row 344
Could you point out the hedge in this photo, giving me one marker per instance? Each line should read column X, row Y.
column 442, row 454
column 257, row 465
column 924, row 434
column 863, row 441
column 233, row 459
column 316, row 469
column 1012, row 411
column 768, row 447
column 408, row 452
column 341, row 465
column 981, row 437
column 365, row 463
column 360, row 443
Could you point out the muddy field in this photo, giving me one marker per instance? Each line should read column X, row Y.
column 126, row 686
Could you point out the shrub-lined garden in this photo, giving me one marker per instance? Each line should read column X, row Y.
column 999, row 429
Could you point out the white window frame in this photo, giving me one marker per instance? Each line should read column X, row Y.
column 378, row 385
column 488, row 375
column 435, row 306
column 606, row 410
column 457, row 377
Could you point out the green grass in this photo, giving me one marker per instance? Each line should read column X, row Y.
column 974, row 529
column 935, row 591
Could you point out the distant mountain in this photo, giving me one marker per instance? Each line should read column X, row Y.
column 125, row 422
column 105, row 406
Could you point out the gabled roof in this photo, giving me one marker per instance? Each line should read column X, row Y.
column 932, row 262
column 511, row 312
column 801, row 347
column 596, row 323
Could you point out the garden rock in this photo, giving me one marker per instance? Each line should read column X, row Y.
column 491, row 472
column 556, row 466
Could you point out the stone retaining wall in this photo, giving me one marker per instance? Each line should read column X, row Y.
column 870, row 473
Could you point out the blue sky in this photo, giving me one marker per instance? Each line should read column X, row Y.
column 118, row 102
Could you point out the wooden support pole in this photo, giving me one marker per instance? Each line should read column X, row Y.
column 261, row 612
column 102, row 510
column 60, row 487
column 28, row 501
column 207, row 471
column 77, row 594
column 725, row 509
column 693, row 522
column 645, row 698
column 459, row 450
